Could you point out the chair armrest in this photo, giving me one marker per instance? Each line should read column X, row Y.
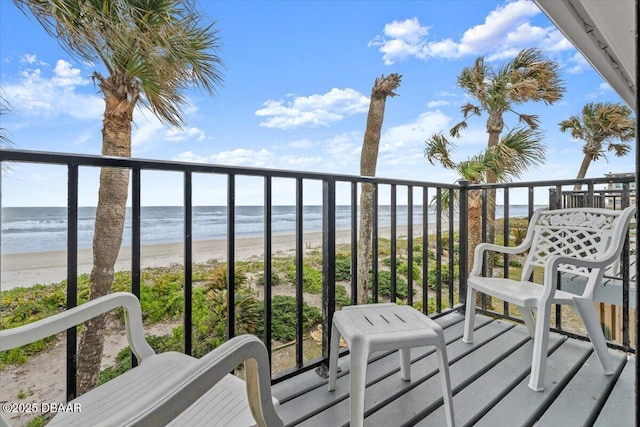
column 26, row 334
column 246, row 349
column 483, row 247
column 552, row 263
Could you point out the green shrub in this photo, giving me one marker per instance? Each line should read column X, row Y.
column 311, row 279
column 444, row 275
column 275, row 279
column 342, row 299
column 283, row 318
column 384, row 285
column 343, row 267
column 38, row 421
column 515, row 263
column 404, row 270
column 417, row 259
column 217, row 277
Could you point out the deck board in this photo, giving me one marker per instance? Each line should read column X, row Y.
column 619, row 408
column 489, row 380
column 582, row 395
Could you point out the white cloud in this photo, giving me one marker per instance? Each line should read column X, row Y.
column 401, row 40
column 41, row 92
column 189, row 156
column 146, row 128
column 235, row 157
column 64, row 75
column 302, row 143
column 243, row 157
column 603, row 88
column 404, row 144
column 31, row 59
column 580, row 64
column 188, row 134
column 438, row 103
column 291, row 161
column 504, row 32
column 501, row 24
column 313, row 110
column 408, row 30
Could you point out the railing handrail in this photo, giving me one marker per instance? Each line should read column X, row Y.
column 181, row 166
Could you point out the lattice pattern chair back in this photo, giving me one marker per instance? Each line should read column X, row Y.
column 583, row 233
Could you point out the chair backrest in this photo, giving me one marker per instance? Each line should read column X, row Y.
column 584, row 233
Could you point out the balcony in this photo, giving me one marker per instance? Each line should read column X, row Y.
column 488, row 377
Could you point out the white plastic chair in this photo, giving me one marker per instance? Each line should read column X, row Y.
column 166, row 386
column 581, row 241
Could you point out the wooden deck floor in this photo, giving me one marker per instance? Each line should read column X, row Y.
column 489, row 380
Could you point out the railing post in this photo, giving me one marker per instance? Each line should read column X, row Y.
column 299, row 272
column 624, row 202
column 354, row 243
column 410, row 245
column 72, row 277
column 135, row 240
column 267, row 263
column 231, row 253
column 463, row 228
column 374, row 244
column 393, row 244
column 188, row 265
column 328, row 268
column 439, row 248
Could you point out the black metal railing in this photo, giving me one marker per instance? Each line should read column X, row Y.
column 423, row 212
column 442, row 227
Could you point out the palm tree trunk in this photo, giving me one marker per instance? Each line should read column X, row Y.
column 582, row 172
column 495, row 125
column 475, row 224
column 382, row 87
column 110, row 217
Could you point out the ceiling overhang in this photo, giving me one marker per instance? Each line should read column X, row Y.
column 605, row 33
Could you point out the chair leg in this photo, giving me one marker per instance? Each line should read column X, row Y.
column 358, row 374
column 590, row 318
column 334, row 351
column 443, row 363
column 470, row 315
column 405, row 363
column 529, row 322
column 540, row 349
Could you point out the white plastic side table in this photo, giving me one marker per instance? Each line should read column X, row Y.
column 377, row 327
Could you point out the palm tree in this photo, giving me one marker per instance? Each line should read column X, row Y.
column 528, row 77
column 517, row 151
column 382, row 88
column 601, row 123
column 5, row 141
column 152, row 51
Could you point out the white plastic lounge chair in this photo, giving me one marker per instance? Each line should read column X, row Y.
column 581, row 241
column 166, row 388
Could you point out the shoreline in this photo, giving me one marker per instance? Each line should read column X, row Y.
column 29, row 269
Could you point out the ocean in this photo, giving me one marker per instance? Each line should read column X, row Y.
column 40, row 229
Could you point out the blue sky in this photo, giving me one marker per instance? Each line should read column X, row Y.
column 296, row 83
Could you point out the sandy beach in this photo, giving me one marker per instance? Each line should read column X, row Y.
column 51, row 267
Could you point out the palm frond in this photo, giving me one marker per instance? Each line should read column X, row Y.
column 620, row 150
column 531, row 120
column 438, row 150
column 161, row 45
column 455, row 130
